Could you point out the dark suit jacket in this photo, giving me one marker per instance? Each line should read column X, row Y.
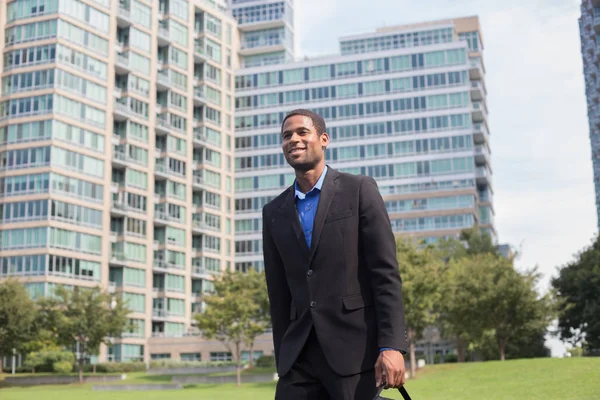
column 347, row 284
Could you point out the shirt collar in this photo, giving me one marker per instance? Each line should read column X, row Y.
column 317, row 187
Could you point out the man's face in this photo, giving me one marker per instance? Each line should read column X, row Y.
column 302, row 146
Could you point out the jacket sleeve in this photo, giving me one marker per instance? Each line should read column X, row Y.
column 280, row 298
column 379, row 249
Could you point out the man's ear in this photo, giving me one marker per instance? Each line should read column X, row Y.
column 324, row 138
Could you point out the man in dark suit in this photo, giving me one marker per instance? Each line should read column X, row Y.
column 332, row 277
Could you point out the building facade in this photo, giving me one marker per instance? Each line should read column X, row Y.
column 405, row 105
column 589, row 27
column 116, row 155
column 266, row 31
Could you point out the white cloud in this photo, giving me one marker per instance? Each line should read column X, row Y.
column 543, row 182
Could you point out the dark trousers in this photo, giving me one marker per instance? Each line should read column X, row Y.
column 311, row 378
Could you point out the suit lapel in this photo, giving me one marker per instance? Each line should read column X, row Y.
column 291, row 216
column 327, row 193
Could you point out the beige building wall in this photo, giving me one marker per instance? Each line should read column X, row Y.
column 188, row 76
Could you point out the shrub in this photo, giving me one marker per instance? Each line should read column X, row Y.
column 44, row 361
column 114, row 367
column 450, row 358
column 266, row 362
column 62, row 367
column 159, row 364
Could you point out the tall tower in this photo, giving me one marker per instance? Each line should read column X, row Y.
column 405, row 105
column 589, row 27
column 266, row 31
column 116, row 158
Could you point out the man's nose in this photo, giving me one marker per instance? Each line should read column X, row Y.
column 295, row 138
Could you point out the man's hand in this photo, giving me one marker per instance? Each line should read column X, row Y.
column 390, row 364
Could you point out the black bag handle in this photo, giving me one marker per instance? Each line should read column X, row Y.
column 402, row 391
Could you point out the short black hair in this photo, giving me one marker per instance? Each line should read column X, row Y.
column 317, row 120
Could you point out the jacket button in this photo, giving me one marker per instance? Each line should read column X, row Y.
column 309, row 272
column 313, row 304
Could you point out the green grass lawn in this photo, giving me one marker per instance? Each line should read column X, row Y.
column 540, row 379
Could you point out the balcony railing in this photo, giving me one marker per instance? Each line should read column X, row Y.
column 164, row 78
column 480, row 149
column 482, row 172
column 204, row 271
column 123, row 60
column 123, row 12
column 263, row 43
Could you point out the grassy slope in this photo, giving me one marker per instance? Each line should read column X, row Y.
column 541, row 379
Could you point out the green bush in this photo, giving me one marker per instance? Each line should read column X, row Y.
column 266, row 362
column 113, row 367
column 450, row 358
column 62, row 367
column 44, row 361
column 160, row 364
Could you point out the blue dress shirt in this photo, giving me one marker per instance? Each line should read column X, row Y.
column 306, row 205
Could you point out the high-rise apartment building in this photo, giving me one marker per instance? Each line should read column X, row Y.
column 589, row 27
column 116, row 155
column 266, row 31
column 405, row 105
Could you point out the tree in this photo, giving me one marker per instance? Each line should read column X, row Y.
column 455, row 320
column 513, row 306
column 577, row 286
column 486, row 295
column 17, row 312
column 86, row 318
column 478, row 242
column 419, row 270
column 232, row 314
column 257, row 285
column 461, row 310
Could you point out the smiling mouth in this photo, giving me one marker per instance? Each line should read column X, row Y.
column 296, row 151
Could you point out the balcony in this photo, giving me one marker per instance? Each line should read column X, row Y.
column 200, row 54
column 163, row 172
column 118, row 258
column 271, row 45
column 480, row 133
column 115, row 187
column 163, row 80
column 202, row 227
column 476, row 71
column 164, row 126
column 478, row 90
column 164, row 38
column 201, row 272
column 113, row 236
column 198, row 182
column 121, row 111
column 121, row 209
column 200, row 138
column 252, row 23
column 483, row 176
column 159, row 266
column 479, row 111
column 121, row 159
column 482, row 155
column 160, row 217
column 122, row 64
column 123, row 17
column 112, row 287
column 199, row 96
column 486, row 197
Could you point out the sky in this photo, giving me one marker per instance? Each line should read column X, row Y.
column 541, row 158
